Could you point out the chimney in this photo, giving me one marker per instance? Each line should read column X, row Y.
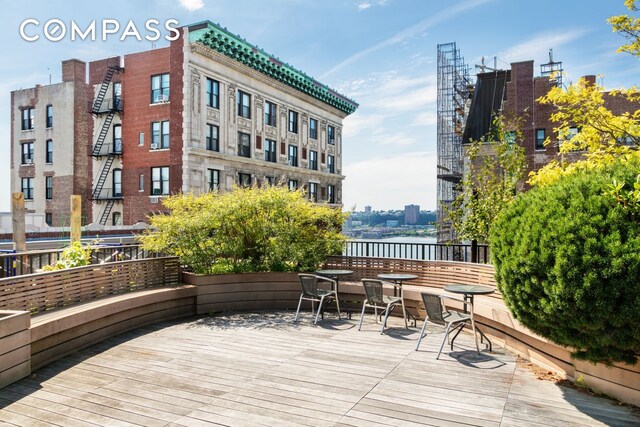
column 590, row 80
column 74, row 70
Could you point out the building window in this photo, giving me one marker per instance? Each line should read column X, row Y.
column 540, row 137
column 244, row 179
column 244, row 104
column 270, row 150
column 331, row 194
column 331, row 164
column 160, row 181
column 141, row 138
column 49, row 154
column 293, row 184
column 313, row 160
column 293, row 121
column 116, row 219
column 117, row 183
column 269, row 180
column 270, row 110
column 331, row 135
column 212, row 138
column 48, row 218
column 213, row 179
column 117, row 139
column 27, row 153
column 49, row 116
column 27, row 188
column 313, row 129
column 293, row 155
column 141, row 182
column 313, row 191
column 159, row 135
column 160, row 88
column 48, row 183
column 213, row 93
column 510, row 137
column 117, row 96
column 28, row 118
column 244, row 144
column 573, row 131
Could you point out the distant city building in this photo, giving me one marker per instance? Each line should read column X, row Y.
column 205, row 113
column 411, row 214
column 367, row 209
column 391, row 223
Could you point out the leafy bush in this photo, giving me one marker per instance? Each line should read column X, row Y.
column 75, row 255
column 567, row 260
column 247, row 229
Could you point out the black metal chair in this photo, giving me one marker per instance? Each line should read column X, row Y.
column 314, row 293
column 374, row 297
column 439, row 315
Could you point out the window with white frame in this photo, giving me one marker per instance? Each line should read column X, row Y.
column 160, row 181
column 160, row 88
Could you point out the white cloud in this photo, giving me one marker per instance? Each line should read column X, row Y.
column 410, row 32
column 426, row 118
column 538, row 47
column 364, row 6
column 392, row 182
column 192, row 5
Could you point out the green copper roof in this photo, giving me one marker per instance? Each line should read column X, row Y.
column 236, row 48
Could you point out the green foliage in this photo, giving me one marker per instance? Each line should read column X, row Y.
column 495, row 167
column 75, row 255
column 567, row 260
column 628, row 27
column 247, row 229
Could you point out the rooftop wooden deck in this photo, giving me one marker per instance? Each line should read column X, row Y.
column 261, row 369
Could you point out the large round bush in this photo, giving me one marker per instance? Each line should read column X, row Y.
column 567, row 260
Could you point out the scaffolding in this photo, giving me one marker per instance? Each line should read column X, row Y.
column 553, row 70
column 454, row 87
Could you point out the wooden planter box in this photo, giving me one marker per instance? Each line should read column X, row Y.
column 15, row 346
column 244, row 291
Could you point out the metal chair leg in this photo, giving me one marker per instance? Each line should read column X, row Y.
column 298, row 310
column 364, row 304
column 404, row 313
column 375, row 310
column 446, row 332
column 475, row 335
column 424, row 328
column 319, row 310
column 386, row 316
column 338, row 306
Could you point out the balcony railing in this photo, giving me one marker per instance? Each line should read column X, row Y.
column 107, row 194
column 418, row 251
column 18, row 264
column 112, row 149
column 108, row 104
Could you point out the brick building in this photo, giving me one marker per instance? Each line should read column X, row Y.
column 513, row 94
column 205, row 113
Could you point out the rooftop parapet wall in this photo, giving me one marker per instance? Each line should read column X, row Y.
column 234, row 47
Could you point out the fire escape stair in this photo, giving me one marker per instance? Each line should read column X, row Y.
column 102, row 136
column 104, row 87
column 106, row 212
column 104, row 173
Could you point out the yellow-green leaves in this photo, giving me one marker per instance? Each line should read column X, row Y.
column 247, row 229
column 628, row 27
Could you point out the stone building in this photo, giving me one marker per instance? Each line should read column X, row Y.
column 206, row 113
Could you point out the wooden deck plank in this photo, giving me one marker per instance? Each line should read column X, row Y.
column 266, row 370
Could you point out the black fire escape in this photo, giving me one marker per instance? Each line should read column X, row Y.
column 106, row 108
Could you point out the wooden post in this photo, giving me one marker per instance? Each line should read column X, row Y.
column 474, row 251
column 18, row 223
column 76, row 218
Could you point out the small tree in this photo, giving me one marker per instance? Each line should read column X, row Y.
column 496, row 165
column 75, row 255
column 247, row 229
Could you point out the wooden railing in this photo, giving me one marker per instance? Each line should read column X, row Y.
column 20, row 263
column 44, row 291
column 419, row 251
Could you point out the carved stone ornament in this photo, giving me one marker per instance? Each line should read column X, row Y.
column 213, row 115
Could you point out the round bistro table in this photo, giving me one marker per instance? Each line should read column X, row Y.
column 335, row 275
column 398, row 278
column 469, row 292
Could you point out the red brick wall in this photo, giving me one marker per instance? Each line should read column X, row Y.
column 83, row 137
column 74, row 70
column 98, row 69
column 137, row 117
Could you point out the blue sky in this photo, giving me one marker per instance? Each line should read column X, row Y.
column 382, row 53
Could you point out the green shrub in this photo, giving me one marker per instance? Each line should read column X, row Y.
column 75, row 255
column 567, row 260
column 247, row 229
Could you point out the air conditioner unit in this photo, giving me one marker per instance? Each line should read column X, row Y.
column 154, row 199
column 155, row 146
column 28, row 161
column 162, row 98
